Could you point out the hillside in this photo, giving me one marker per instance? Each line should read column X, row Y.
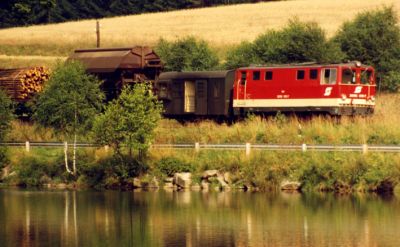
column 221, row 26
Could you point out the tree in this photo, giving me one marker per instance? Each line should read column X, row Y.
column 186, row 54
column 297, row 42
column 69, row 102
column 241, row 56
column 129, row 120
column 373, row 37
column 5, row 119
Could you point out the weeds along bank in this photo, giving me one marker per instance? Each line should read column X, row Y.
column 340, row 171
column 262, row 170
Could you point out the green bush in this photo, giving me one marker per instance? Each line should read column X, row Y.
column 373, row 37
column 171, row 165
column 391, row 82
column 187, row 54
column 241, row 56
column 119, row 167
column 31, row 169
column 297, row 42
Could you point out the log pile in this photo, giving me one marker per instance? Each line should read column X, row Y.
column 22, row 84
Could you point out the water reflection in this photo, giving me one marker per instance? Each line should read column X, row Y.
column 110, row 218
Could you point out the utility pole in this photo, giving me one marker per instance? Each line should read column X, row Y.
column 98, row 33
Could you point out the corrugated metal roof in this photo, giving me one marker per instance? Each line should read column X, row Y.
column 110, row 59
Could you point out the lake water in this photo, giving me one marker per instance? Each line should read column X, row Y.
column 111, row 218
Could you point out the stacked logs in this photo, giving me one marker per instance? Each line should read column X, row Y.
column 23, row 84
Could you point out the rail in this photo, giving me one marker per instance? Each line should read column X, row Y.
column 247, row 147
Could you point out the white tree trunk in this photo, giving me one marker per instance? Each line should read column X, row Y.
column 74, row 156
column 66, row 157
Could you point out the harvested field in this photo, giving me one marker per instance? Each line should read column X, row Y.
column 221, row 26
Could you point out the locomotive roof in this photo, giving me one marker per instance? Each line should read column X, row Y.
column 308, row 65
column 193, row 75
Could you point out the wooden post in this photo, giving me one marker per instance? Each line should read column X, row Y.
column 304, row 147
column 27, row 146
column 197, row 147
column 365, row 148
column 248, row 149
column 98, row 33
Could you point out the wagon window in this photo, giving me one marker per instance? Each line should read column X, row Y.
column 268, row 75
column 313, row 74
column 300, row 74
column 243, row 78
column 348, row 76
column 329, row 76
column 256, row 75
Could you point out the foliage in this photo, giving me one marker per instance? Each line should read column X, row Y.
column 187, row 54
column 70, row 99
column 5, row 114
column 391, row 81
column 373, row 37
column 121, row 167
column 5, row 122
column 297, row 42
column 171, row 165
column 130, row 119
column 241, row 56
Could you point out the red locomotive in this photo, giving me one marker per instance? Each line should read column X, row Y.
column 337, row 89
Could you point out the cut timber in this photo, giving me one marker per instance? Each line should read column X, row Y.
column 22, row 84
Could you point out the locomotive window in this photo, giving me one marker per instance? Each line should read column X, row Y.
column 256, row 75
column 329, row 76
column 243, row 78
column 348, row 76
column 366, row 76
column 300, row 74
column 313, row 74
column 268, row 75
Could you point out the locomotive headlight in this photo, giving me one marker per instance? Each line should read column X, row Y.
column 372, row 98
column 344, row 97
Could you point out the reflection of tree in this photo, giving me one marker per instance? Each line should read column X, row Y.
column 110, row 218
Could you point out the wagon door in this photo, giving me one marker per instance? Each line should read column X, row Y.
column 201, row 97
column 241, row 88
column 190, row 100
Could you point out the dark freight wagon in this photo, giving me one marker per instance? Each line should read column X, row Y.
column 120, row 66
column 206, row 93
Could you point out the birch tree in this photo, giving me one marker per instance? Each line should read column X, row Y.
column 69, row 103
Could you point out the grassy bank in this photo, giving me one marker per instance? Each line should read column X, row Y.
column 263, row 170
column 211, row 24
column 339, row 171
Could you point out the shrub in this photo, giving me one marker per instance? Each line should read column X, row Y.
column 297, row 42
column 373, row 37
column 241, row 56
column 391, row 82
column 118, row 167
column 170, row 165
column 187, row 54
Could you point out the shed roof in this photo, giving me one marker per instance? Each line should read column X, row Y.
column 110, row 59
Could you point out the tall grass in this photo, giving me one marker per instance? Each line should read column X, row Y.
column 380, row 128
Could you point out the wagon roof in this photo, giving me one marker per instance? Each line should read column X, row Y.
column 307, row 65
column 193, row 75
column 110, row 59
